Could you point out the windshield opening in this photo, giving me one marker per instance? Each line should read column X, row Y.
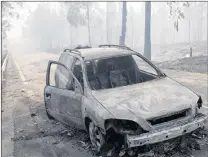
column 119, row 71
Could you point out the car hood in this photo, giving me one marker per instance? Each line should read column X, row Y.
column 146, row 100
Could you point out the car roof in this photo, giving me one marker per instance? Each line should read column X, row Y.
column 96, row 53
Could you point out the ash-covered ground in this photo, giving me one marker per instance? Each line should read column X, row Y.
column 197, row 64
column 177, row 57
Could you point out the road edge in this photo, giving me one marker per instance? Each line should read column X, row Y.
column 4, row 66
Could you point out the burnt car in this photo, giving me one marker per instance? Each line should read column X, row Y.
column 115, row 93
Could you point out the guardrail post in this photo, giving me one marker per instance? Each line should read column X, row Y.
column 190, row 51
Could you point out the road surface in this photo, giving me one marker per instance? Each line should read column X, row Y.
column 26, row 131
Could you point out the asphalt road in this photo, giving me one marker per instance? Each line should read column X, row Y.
column 26, row 131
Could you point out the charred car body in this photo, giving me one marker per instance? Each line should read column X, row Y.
column 114, row 91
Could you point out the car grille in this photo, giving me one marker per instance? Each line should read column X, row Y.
column 169, row 117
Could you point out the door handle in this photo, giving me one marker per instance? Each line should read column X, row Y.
column 48, row 95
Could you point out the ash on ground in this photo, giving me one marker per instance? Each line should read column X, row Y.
column 178, row 147
column 198, row 64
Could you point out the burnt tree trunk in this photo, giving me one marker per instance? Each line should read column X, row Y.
column 123, row 32
column 107, row 22
column 207, row 26
column 147, row 38
column 88, row 24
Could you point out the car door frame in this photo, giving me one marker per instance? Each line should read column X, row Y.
column 64, row 116
column 61, row 64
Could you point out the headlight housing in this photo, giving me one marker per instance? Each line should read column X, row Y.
column 123, row 126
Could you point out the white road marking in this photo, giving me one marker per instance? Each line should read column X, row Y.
column 29, row 92
column 4, row 66
column 20, row 72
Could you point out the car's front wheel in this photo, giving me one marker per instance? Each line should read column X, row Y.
column 96, row 137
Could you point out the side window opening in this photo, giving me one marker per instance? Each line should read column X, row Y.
column 69, row 60
column 52, row 76
column 62, row 76
column 92, row 75
column 62, row 60
column 77, row 71
column 66, row 60
column 63, row 79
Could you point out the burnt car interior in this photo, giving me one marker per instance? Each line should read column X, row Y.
column 113, row 72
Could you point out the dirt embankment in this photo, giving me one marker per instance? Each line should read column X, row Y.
column 198, row 64
column 167, row 52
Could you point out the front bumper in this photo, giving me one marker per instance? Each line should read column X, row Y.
column 167, row 132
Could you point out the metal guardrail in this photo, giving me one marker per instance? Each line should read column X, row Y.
column 4, row 65
column 3, row 57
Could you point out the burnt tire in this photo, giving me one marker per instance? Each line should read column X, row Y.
column 96, row 137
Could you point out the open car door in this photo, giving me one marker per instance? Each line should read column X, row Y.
column 63, row 103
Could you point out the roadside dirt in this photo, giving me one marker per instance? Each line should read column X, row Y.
column 33, row 133
column 198, row 64
column 182, row 146
column 177, row 51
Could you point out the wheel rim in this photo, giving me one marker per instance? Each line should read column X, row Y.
column 95, row 136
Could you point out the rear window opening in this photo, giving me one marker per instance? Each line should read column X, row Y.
column 119, row 71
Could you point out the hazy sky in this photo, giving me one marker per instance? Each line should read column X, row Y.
column 30, row 6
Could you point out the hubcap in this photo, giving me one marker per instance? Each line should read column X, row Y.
column 95, row 136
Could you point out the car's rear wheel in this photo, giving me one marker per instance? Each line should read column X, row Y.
column 96, row 137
